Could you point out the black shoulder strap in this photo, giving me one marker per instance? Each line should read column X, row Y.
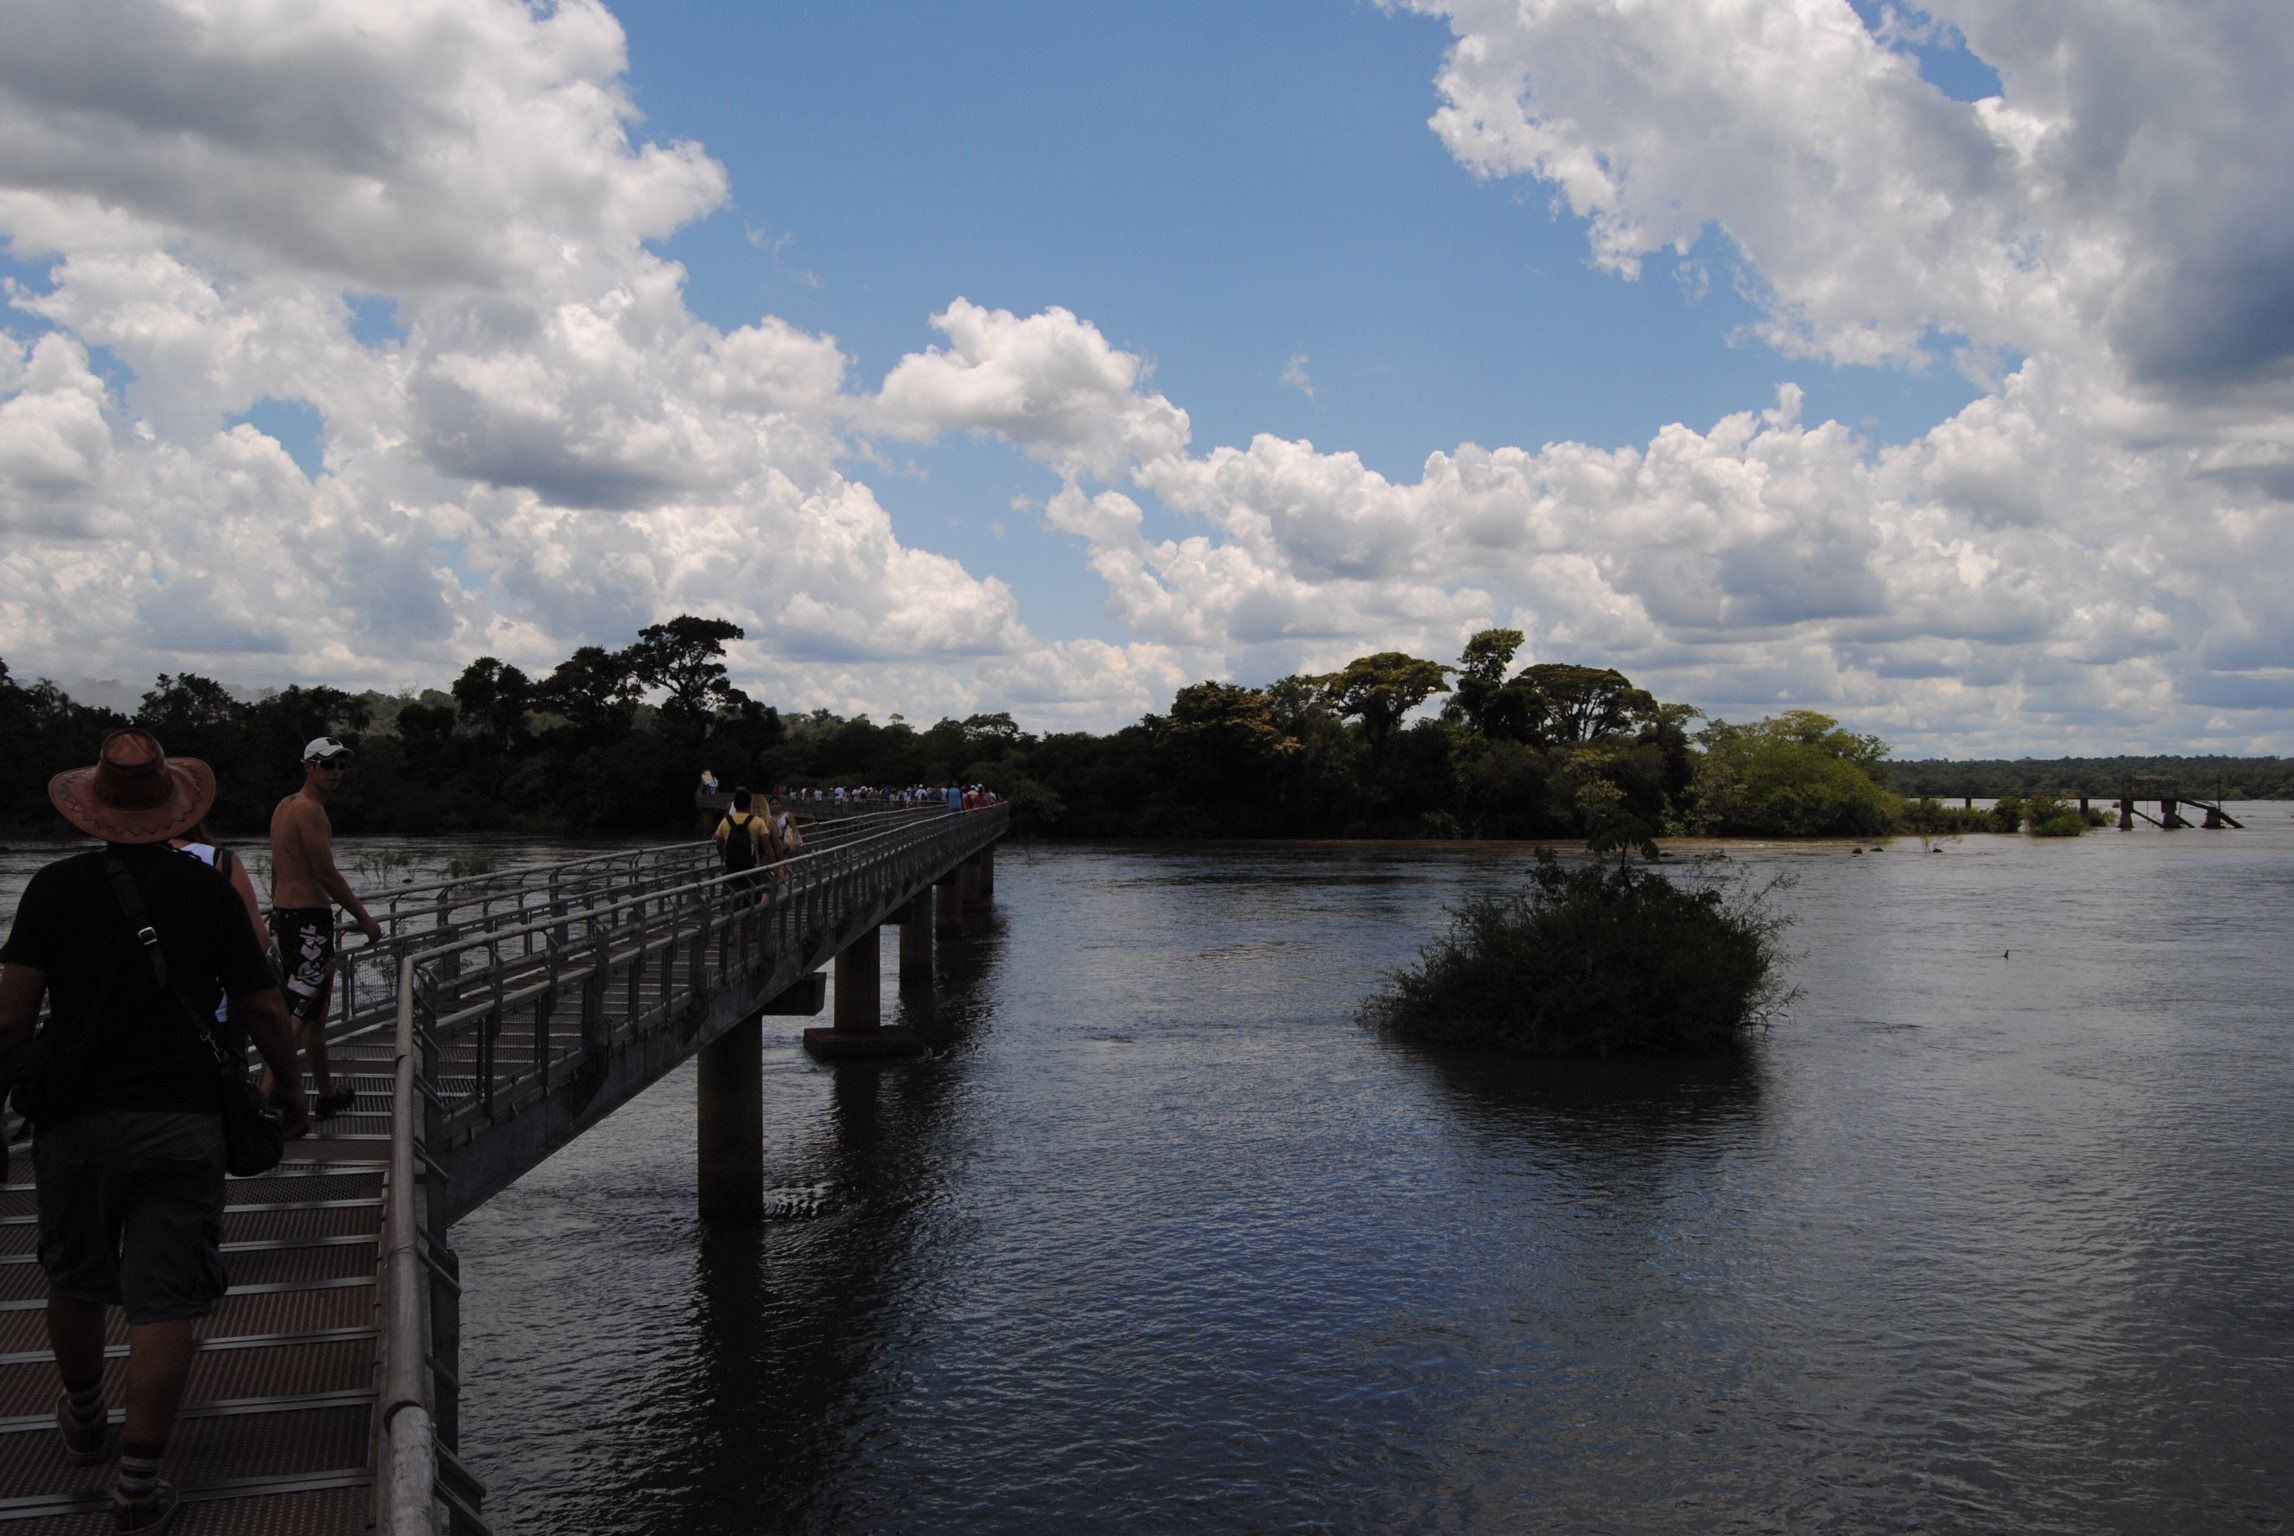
column 139, row 918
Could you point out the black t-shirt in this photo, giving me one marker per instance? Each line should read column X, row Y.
column 147, row 1053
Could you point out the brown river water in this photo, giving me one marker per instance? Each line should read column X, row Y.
column 1991, row 1232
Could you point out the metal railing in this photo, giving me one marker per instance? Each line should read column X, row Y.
column 443, row 912
column 626, row 962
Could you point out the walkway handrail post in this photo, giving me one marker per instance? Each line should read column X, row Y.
column 405, row 1488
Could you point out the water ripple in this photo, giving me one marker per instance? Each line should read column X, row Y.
column 1163, row 1241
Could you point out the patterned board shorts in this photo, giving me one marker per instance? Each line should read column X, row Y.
column 307, row 951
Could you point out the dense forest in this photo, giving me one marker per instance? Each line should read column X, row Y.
column 613, row 741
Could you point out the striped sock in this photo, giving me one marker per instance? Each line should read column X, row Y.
column 138, row 1472
column 86, row 1400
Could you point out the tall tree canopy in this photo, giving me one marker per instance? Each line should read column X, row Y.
column 493, row 697
column 684, row 657
column 594, row 690
column 1379, row 690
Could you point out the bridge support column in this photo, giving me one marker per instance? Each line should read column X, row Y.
column 948, row 903
column 860, row 985
column 984, row 875
column 730, row 1129
column 2167, row 817
column 2126, row 814
column 859, row 1029
column 915, row 921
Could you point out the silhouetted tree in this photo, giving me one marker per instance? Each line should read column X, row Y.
column 1483, row 702
column 186, row 708
column 1379, row 690
column 682, row 657
column 594, row 691
column 1574, row 704
column 492, row 698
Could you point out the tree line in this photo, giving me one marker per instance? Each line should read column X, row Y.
column 611, row 742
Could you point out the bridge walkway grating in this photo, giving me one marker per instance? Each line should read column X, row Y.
column 279, row 1429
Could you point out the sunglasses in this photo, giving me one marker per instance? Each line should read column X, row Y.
column 325, row 766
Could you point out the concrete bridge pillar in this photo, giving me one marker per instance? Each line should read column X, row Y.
column 948, row 902
column 984, row 875
column 915, row 920
column 730, row 1121
column 859, row 1029
column 2126, row 814
column 860, row 985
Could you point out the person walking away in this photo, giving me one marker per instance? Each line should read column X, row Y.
column 741, row 842
column 123, row 1095
column 782, row 841
column 200, row 844
column 305, row 888
column 784, row 828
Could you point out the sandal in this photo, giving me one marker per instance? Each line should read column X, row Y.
column 329, row 1105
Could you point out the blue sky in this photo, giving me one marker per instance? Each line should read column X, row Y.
column 1927, row 367
column 1219, row 188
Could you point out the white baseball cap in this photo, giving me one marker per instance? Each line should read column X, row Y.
column 325, row 749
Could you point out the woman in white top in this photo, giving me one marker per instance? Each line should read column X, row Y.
column 201, row 845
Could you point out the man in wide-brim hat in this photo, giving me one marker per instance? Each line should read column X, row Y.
column 123, row 1095
column 135, row 793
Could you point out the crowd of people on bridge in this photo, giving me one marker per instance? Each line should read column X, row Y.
column 750, row 842
column 847, row 797
column 968, row 797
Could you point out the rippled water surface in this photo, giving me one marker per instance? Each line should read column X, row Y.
column 1992, row 1233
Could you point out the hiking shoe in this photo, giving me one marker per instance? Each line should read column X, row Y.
column 151, row 1513
column 329, row 1105
column 84, row 1444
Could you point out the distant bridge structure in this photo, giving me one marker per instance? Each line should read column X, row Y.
column 500, row 1017
column 2138, row 790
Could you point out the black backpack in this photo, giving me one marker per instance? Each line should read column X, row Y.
column 740, row 845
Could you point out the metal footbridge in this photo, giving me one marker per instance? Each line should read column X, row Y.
column 500, row 1016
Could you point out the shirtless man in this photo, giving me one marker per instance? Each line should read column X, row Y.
column 305, row 885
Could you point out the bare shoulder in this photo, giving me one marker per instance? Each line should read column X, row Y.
column 299, row 818
column 304, row 810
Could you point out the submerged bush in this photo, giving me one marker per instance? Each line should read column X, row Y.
column 1595, row 960
column 1930, row 818
column 2052, row 816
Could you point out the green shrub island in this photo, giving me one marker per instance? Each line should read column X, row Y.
column 1597, row 960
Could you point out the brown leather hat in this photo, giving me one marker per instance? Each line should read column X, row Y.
column 135, row 793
